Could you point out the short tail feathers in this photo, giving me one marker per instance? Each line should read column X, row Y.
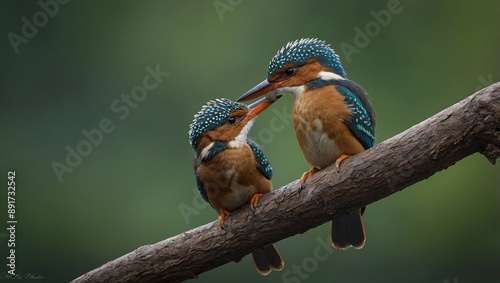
column 267, row 259
column 347, row 230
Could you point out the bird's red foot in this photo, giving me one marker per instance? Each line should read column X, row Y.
column 339, row 160
column 306, row 175
column 223, row 215
column 254, row 200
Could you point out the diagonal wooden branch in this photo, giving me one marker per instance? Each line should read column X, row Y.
column 472, row 125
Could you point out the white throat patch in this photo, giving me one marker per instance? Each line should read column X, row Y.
column 241, row 139
column 293, row 90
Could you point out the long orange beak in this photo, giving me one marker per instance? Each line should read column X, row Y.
column 258, row 106
column 259, row 90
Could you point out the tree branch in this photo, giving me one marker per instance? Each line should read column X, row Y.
column 472, row 125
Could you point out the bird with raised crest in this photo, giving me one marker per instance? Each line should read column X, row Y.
column 332, row 117
column 230, row 169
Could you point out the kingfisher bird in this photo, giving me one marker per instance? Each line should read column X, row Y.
column 332, row 116
column 230, row 169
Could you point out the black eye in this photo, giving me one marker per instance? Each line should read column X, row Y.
column 290, row 71
column 231, row 120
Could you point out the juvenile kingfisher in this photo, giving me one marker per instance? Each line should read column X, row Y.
column 332, row 116
column 229, row 168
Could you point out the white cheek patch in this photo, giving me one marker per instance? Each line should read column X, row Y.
column 329, row 76
column 204, row 152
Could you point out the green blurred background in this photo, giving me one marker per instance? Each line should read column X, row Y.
column 128, row 191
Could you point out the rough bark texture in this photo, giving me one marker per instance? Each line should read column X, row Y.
column 472, row 125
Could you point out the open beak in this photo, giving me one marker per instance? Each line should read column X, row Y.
column 260, row 90
column 260, row 105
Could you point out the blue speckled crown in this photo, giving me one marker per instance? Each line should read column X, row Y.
column 298, row 52
column 211, row 116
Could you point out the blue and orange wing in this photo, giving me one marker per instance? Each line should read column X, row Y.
column 362, row 122
column 261, row 159
column 199, row 184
